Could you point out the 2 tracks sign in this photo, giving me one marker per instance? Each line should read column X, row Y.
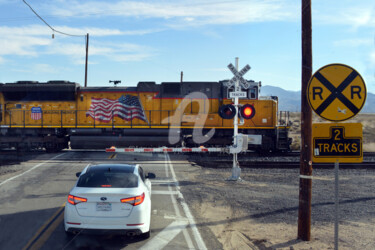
column 341, row 142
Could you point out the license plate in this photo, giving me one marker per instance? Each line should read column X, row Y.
column 103, row 206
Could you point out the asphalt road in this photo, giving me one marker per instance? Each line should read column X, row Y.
column 34, row 190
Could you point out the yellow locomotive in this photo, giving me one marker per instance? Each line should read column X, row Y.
column 61, row 114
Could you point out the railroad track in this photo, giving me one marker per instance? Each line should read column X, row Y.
column 279, row 160
column 248, row 160
column 280, row 164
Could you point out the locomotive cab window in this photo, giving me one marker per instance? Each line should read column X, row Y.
column 253, row 93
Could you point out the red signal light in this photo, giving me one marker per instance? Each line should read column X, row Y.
column 227, row 111
column 247, row 111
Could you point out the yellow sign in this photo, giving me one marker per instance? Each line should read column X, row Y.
column 337, row 142
column 336, row 92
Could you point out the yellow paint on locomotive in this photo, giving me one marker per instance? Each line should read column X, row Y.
column 159, row 113
column 164, row 112
column 2, row 108
column 54, row 114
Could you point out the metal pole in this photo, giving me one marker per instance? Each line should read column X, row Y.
column 236, row 170
column 304, row 211
column 236, row 89
column 87, row 57
column 336, row 205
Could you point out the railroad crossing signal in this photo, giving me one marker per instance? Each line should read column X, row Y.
column 336, row 92
column 337, row 142
column 238, row 76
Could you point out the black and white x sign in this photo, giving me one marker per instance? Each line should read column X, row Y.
column 238, row 76
column 336, row 92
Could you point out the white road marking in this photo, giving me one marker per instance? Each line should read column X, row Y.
column 193, row 225
column 174, row 202
column 31, row 169
column 174, row 217
column 164, row 192
column 163, row 181
column 167, row 235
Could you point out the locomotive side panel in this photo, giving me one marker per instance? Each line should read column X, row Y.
column 35, row 115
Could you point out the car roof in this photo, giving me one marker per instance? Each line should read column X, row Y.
column 124, row 168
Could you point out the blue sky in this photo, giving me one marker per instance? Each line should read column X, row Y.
column 144, row 40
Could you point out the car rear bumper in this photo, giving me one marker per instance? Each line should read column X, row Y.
column 127, row 232
column 138, row 221
column 109, row 226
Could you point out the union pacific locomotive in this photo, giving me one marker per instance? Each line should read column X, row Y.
column 59, row 114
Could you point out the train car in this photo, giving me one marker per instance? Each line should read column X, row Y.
column 59, row 114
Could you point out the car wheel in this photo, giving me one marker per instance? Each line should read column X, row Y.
column 67, row 233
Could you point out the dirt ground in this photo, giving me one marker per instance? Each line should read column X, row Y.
column 261, row 211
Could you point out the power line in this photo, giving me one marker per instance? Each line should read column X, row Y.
column 57, row 31
column 54, row 30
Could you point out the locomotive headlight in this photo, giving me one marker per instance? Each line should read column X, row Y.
column 247, row 111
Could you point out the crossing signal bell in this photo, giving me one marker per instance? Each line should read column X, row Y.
column 228, row 111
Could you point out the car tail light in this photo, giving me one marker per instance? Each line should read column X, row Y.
column 136, row 200
column 74, row 200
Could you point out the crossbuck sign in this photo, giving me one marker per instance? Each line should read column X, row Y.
column 238, row 76
column 336, row 92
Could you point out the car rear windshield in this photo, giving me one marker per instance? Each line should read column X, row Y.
column 108, row 180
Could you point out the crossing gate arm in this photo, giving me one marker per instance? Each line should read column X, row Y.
column 164, row 149
column 240, row 145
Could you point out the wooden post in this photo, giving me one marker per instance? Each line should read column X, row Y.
column 87, row 57
column 304, row 211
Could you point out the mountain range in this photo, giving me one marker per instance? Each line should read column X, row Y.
column 291, row 100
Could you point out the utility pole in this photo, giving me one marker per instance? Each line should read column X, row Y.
column 304, row 211
column 87, row 57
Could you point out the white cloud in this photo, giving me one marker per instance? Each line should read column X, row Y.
column 181, row 12
column 5, row 2
column 42, row 30
column 21, row 45
column 372, row 58
column 36, row 40
column 44, row 68
column 101, row 32
column 111, row 51
column 356, row 42
column 353, row 16
column 132, row 57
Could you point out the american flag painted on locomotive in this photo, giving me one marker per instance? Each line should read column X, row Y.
column 36, row 113
column 126, row 107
